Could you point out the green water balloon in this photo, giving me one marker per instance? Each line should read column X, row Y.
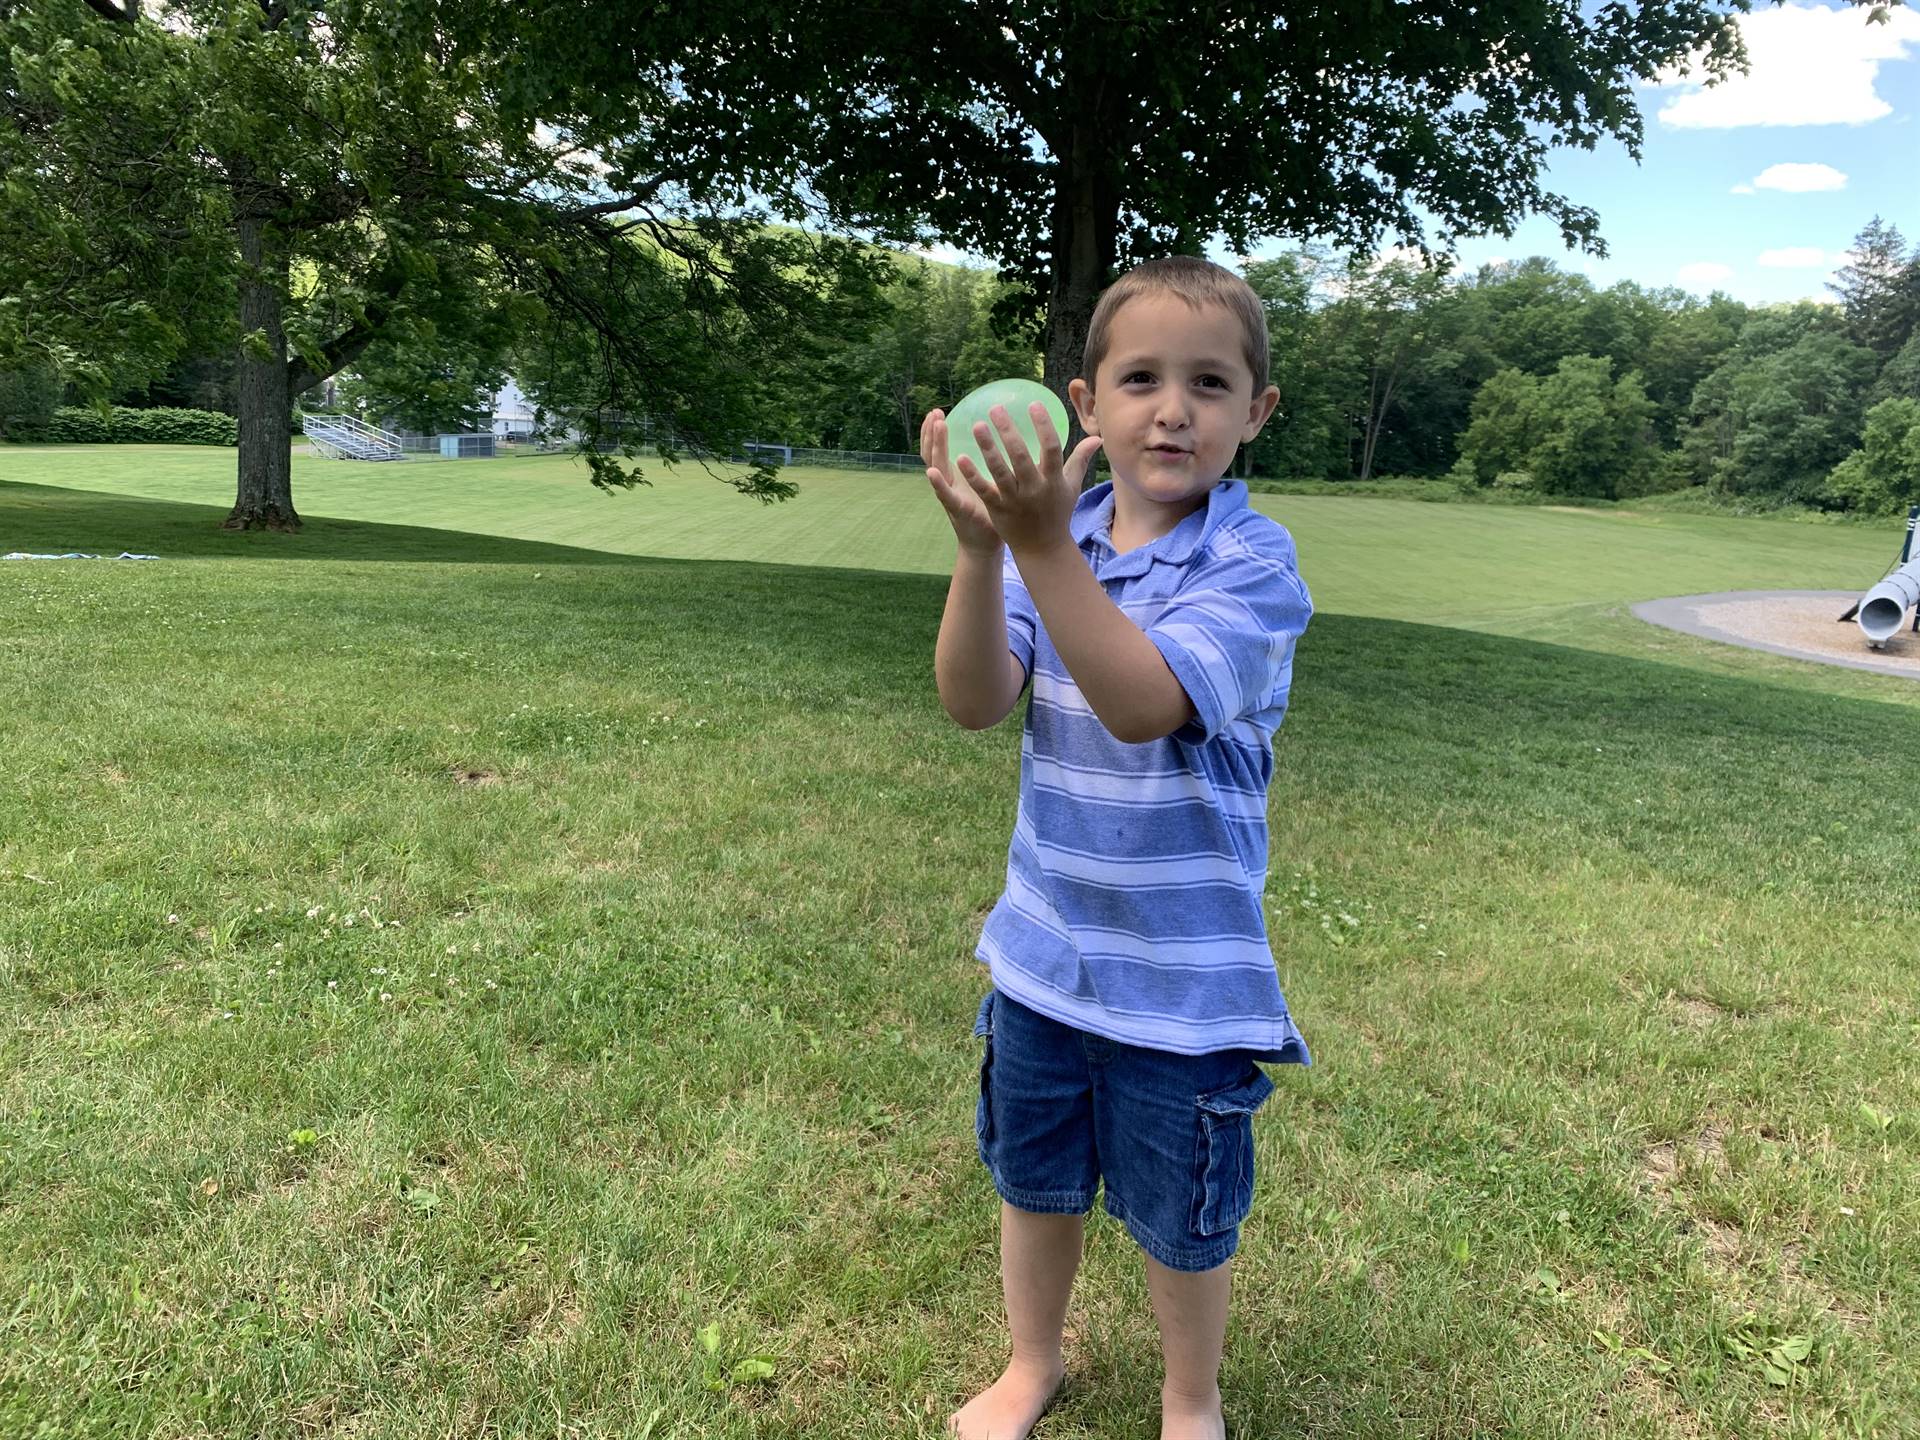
column 1016, row 395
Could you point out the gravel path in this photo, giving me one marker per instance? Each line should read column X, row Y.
column 1800, row 623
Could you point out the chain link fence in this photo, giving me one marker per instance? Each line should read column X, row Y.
column 782, row 454
column 854, row 459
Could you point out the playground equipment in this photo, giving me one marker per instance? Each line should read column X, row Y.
column 342, row 437
column 1880, row 611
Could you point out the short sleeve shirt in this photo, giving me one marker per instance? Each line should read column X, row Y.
column 1132, row 906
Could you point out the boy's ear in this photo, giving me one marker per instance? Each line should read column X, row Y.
column 1081, row 394
column 1260, row 412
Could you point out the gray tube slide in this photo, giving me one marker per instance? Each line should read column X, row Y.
column 1884, row 606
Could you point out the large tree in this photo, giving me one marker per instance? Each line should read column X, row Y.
column 1065, row 140
column 1879, row 289
column 298, row 178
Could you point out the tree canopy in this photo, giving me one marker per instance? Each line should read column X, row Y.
column 1064, row 141
column 297, row 180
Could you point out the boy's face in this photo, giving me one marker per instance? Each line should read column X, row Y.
column 1173, row 399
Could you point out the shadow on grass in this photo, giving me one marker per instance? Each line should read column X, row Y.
column 51, row 519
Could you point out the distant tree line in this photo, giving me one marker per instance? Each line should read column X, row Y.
column 1526, row 377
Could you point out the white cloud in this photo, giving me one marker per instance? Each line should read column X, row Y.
column 1800, row 179
column 1744, row 190
column 1807, row 65
column 1797, row 257
column 1703, row 274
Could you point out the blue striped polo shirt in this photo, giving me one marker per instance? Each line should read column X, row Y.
column 1132, row 907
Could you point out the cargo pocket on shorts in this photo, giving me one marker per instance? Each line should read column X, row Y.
column 1223, row 1192
column 983, row 1111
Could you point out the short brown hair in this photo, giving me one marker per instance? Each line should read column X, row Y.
column 1196, row 281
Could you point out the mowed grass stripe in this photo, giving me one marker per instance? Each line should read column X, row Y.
column 1500, row 568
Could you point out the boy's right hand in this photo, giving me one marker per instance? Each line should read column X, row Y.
column 971, row 524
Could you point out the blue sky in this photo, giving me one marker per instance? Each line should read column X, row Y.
column 1757, row 186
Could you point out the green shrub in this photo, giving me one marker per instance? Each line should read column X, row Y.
column 72, row 425
column 1882, row 477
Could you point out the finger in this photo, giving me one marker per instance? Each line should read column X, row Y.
column 1044, row 432
column 986, row 489
column 927, row 422
column 1019, row 458
column 990, row 452
column 1082, row 458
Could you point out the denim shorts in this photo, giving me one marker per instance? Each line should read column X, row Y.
column 1171, row 1135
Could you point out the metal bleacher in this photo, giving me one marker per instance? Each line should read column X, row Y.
column 342, row 437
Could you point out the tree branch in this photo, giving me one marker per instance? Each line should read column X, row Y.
column 343, row 349
column 610, row 207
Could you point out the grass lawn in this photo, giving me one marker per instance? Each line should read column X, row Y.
column 442, row 977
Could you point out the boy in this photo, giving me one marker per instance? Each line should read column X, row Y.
column 1133, row 987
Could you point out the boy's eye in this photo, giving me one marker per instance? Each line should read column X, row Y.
column 1212, row 382
column 1136, row 377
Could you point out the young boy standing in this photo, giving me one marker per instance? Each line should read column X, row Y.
column 1133, row 986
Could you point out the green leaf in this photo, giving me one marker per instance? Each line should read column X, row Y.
column 751, row 1370
column 1794, row 1348
column 709, row 1337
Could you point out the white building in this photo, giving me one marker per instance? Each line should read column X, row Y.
column 512, row 410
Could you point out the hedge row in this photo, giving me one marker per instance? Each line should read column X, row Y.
column 75, row 426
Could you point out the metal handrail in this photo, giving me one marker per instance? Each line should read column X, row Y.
column 352, row 436
column 356, row 426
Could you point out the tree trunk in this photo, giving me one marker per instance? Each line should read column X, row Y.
column 1086, row 219
column 265, row 497
column 1371, row 429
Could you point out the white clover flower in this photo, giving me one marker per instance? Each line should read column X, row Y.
column 347, row 921
column 173, row 919
column 453, row 949
column 279, row 944
column 333, row 984
column 386, row 995
column 312, row 910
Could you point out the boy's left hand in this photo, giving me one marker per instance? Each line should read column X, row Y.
column 1030, row 502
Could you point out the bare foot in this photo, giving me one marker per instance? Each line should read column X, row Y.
column 1187, row 1417
column 1008, row 1408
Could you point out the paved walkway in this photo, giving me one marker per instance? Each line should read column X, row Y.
column 1797, row 623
